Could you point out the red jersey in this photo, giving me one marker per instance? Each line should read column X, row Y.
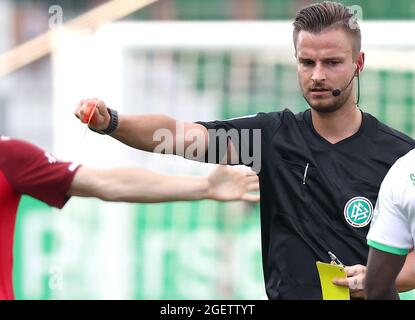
column 26, row 169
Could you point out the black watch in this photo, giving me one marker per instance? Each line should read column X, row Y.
column 113, row 123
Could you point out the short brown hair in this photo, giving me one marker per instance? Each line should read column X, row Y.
column 327, row 15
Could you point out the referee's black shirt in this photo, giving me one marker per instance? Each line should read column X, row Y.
column 308, row 211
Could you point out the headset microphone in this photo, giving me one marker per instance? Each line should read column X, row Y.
column 337, row 92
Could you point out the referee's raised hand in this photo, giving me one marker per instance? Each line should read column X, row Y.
column 94, row 112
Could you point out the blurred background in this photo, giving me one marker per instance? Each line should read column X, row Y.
column 191, row 59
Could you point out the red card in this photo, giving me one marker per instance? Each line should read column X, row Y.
column 89, row 112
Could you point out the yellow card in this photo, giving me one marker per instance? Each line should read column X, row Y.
column 327, row 273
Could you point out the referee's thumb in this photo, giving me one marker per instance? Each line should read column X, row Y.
column 341, row 282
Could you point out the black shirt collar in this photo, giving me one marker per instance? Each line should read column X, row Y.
column 363, row 125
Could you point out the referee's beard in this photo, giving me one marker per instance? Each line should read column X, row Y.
column 328, row 104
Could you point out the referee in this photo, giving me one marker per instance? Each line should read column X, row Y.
column 320, row 170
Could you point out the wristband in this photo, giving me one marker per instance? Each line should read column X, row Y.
column 112, row 125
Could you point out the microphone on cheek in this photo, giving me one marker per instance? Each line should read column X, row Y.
column 337, row 92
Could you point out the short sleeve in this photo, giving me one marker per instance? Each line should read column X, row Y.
column 390, row 228
column 34, row 172
column 247, row 134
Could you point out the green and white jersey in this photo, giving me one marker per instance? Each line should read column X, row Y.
column 393, row 226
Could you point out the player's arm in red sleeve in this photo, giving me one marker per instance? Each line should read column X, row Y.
column 34, row 172
column 37, row 173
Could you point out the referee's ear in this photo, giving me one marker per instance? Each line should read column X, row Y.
column 360, row 62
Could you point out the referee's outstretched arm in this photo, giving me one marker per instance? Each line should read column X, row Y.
column 153, row 133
